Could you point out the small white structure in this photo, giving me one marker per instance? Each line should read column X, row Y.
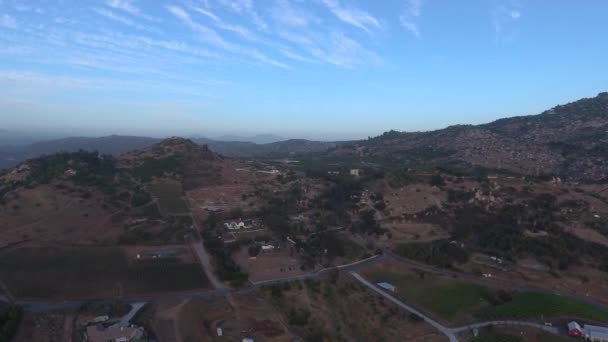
column 248, row 339
column 355, row 172
column 100, row 319
column 267, row 248
column 219, row 331
column 387, row 286
column 70, row 173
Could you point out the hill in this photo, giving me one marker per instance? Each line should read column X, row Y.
column 11, row 155
column 570, row 141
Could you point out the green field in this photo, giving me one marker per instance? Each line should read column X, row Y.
column 170, row 198
column 497, row 338
column 73, row 272
column 534, row 305
column 444, row 297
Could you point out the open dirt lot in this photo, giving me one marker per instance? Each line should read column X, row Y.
column 47, row 214
column 347, row 311
column 411, row 199
column 198, row 320
column 45, row 327
column 269, row 265
column 403, row 231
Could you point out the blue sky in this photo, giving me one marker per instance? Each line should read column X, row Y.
column 323, row 69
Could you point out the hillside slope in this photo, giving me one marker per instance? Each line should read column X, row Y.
column 570, row 141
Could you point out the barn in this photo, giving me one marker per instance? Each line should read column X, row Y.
column 574, row 329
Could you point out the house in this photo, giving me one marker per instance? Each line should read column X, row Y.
column 355, row 172
column 214, row 209
column 234, row 224
column 70, row 173
column 267, row 248
column 574, row 329
column 595, row 333
column 387, row 286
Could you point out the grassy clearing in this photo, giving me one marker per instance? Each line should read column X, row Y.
column 170, row 198
column 444, row 297
column 92, row 272
column 534, row 305
column 497, row 338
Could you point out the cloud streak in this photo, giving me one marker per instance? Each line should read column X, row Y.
column 212, row 37
column 409, row 17
column 352, row 16
column 127, row 6
column 8, row 22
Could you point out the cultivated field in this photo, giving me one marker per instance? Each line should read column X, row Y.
column 170, row 198
column 85, row 272
column 460, row 302
column 537, row 306
column 444, row 297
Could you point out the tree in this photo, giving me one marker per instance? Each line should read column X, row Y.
column 436, row 180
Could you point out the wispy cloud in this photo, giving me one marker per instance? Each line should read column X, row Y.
column 352, row 16
column 245, row 7
column 8, row 22
column 212, row 37
column 409, row 17
column 123, row 20
column 504, row 15
column 284, row 13
column 222, row 25
column 127, row 6
column 333, row 47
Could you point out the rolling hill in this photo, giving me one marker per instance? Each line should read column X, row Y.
column 569, row 141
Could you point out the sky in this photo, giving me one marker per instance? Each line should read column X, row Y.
column 318, row 69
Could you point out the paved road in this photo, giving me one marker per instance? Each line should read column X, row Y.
column 551, row 330
column 443, row 329
column 203, row 258
column 124, row 321
column 451, row 332
column 40, row 306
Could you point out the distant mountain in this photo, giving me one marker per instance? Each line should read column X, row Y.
column 117, row 145
column 8, row 137
column 570, row 141
column 256, row 139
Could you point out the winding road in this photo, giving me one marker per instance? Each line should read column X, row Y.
column 450, row 332
column 221, row 290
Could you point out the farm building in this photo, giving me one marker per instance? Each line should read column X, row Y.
column 387, row 286
column 595, row 333
column 574, row 329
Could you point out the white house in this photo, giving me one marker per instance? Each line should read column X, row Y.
column 355, row 172
column 235, row 225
